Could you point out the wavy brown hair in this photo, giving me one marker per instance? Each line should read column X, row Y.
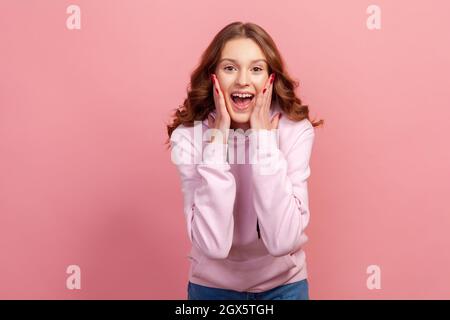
column 200, row 101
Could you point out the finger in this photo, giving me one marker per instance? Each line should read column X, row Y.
column 213, row 80
column 210, row 121
column 215, row 90
column 260, row 98
column 220, row 96
column 264, row 93
column 268, row 95
column 275, row 121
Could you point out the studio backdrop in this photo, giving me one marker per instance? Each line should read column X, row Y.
column 90, row 201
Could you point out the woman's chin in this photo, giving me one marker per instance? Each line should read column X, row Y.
column 240, row 118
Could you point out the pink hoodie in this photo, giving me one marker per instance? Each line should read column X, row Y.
column 227, row 197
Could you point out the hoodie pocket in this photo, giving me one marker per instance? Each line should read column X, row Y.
column 291, row 260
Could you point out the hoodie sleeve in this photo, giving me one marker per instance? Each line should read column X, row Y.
column 209, row 191
column 280, row 187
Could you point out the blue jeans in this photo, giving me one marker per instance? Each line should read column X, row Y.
column 293, row 291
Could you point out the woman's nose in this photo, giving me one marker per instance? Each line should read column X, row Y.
column 242, row 79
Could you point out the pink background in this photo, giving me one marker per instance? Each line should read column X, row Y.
column 85, row 178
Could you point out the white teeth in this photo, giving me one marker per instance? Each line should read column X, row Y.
column 242, row 95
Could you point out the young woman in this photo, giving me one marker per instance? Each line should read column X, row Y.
column 245, row 201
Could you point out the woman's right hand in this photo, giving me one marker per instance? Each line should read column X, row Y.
column 222, row 121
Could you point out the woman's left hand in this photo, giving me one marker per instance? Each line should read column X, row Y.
column 260, row 117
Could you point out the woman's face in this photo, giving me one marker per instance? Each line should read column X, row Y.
column 242, row 67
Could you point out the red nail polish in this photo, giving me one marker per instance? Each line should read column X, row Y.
column 264, row 91
column 217, row 91
column 272, row 77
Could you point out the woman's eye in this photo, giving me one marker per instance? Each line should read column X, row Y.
column 258, row 69
column 229, row 68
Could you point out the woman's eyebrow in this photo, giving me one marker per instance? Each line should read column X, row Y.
column 235, row 61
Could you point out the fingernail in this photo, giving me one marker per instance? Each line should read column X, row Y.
column 264, row 90
column 272, row 77
column 217, row 91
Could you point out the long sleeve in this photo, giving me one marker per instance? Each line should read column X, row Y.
column 280, row 187
column 209, row 191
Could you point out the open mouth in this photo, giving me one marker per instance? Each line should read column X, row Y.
column 242, row 101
